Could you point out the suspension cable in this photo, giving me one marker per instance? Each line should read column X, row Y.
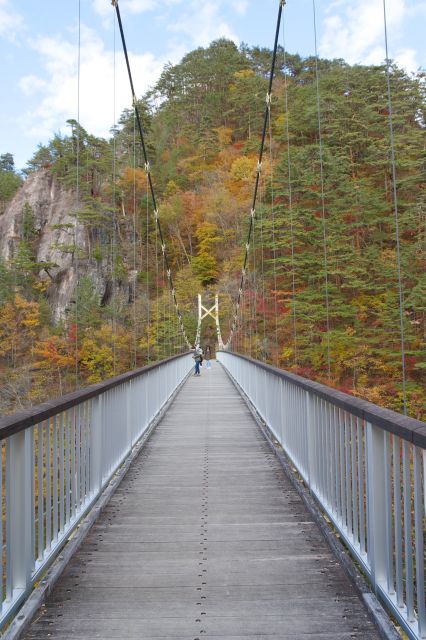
column 290, row 201
column 323, row 216
column 148, row 170
column 259, row 167
column 396, row 215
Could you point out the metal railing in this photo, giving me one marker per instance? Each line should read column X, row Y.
column 364, row 465
column 57, row 458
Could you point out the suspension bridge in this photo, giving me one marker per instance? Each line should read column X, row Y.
column 249, row 502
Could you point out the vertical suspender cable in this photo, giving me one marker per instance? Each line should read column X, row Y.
column 77, row 293
column 135, row 332
column 396, row 215
column 290, row 202
column 262, row 271
column 164, row 303
column 114, row 221
column 169, row 319
column 157, row 302
column 148, row 300
column 254, row 335
column 274, row 248
column 323, row 218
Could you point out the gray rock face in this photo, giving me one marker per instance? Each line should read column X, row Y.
column 53, row 207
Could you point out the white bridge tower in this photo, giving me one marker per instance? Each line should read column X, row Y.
column 213, row 312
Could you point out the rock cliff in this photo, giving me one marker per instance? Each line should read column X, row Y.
column 52, row 207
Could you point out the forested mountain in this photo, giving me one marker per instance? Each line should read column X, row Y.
column 203, row 121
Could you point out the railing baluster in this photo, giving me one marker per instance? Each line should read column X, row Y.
column 397, row 520
column 335, row 462
column 61, row 419
column 419, row 540
column 408, row 533
column 48, row 483
column 40, row 514
column 1, row 527
column 355, row 529
column 326, row 451
column 342, row 487
column 348, row 475
column 390, row 580
column 55, row 479
column 73, row 462
column 67, row 467
column 361, row 485
column 77, row 494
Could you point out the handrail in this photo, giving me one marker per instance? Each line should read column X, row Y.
column 16, row 422
column 57, row 458
column 366, row 468
column 405, row 427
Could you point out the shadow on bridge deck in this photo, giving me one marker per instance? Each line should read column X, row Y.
column 204, row 537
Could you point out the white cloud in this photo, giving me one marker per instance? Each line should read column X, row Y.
column 353, row 30
column 240, row 6
column 138, row 6
column 202, row 24
column 104, row 8
column 59, row 84
column 199, row 22
column 11, row 22
column 407, row 59
column 31, row 84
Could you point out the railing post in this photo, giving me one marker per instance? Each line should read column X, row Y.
column 376, row 510
column 96, row 445
column 129, row 415
column 310, row 440
column 19, row 513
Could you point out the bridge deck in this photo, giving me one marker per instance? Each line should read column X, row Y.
column 205, row 537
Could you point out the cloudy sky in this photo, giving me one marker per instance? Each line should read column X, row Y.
column 38, row 48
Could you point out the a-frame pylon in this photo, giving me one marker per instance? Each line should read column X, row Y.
column 213, row 312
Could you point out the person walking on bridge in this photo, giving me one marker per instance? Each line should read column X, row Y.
column 198, row 357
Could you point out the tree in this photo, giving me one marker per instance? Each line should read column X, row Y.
column 10, row 181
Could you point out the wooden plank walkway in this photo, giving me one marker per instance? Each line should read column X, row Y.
column 205, row 538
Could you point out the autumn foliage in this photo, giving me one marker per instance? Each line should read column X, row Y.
column 204, row 120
